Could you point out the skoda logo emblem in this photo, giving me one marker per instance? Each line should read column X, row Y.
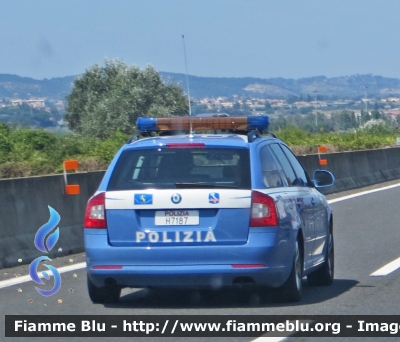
column 176, row 198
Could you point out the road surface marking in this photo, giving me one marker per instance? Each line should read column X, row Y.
column 362, row 193
column 26, row 278
column 388, row 268
column 284, row 336
column 391, row 266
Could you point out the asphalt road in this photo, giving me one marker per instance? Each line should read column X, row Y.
column 367, row 237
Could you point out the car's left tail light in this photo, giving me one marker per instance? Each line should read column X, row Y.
column 95, row 215
column 263, row 210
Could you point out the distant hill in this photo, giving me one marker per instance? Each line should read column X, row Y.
column 13, row 86
column 337, row 87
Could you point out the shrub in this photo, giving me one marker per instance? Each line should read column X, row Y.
column 28, row 152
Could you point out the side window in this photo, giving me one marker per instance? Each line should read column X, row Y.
column 301, row 174
column 272, row 173
column 287, row 167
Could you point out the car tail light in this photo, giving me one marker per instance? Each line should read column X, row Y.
column 263, row 210
column 95, row 216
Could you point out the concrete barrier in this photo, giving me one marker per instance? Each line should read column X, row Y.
column 24, row 201
column 356, row 169
column 24, row 209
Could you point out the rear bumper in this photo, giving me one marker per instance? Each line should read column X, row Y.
column 266, row 260
column 214, row 277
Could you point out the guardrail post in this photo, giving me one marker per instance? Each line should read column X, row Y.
column 71, row 189
column 322, row 161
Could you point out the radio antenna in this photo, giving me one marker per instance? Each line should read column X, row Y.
column 187, row 75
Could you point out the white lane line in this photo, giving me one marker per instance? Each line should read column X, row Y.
column 285, row 335
column 388, row 268
column 26, row 278
column 362, row 193
column 391, row 266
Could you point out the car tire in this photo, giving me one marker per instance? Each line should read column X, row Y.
column 101, row 295
column 291, row 290
column 325, row 274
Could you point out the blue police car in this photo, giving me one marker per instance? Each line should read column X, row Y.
column 221, row 207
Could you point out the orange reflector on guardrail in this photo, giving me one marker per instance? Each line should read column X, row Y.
column 70, row 164
column 321, row 149
column 72, row 189
column 323, row 162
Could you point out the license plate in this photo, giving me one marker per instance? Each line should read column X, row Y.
column 177, row 218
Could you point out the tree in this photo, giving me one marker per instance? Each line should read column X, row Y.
column 376, row 114
column 5, row 144
column 292, row 99
column 306, row 110
column 278, row 122
column 347, row 120
column 364, row 117
column 110, row 98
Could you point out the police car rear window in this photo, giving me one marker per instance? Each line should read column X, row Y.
column 172, row 168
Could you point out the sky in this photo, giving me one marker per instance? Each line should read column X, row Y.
column 222, row 38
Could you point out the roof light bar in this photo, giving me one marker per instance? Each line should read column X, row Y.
column 185, row 123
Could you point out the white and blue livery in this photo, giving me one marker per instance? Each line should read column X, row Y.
column 225, row 207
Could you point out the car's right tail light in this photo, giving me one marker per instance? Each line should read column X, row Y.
column 95, row 215
column 263, row 210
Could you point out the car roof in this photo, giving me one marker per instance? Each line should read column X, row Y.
column 234, row 140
